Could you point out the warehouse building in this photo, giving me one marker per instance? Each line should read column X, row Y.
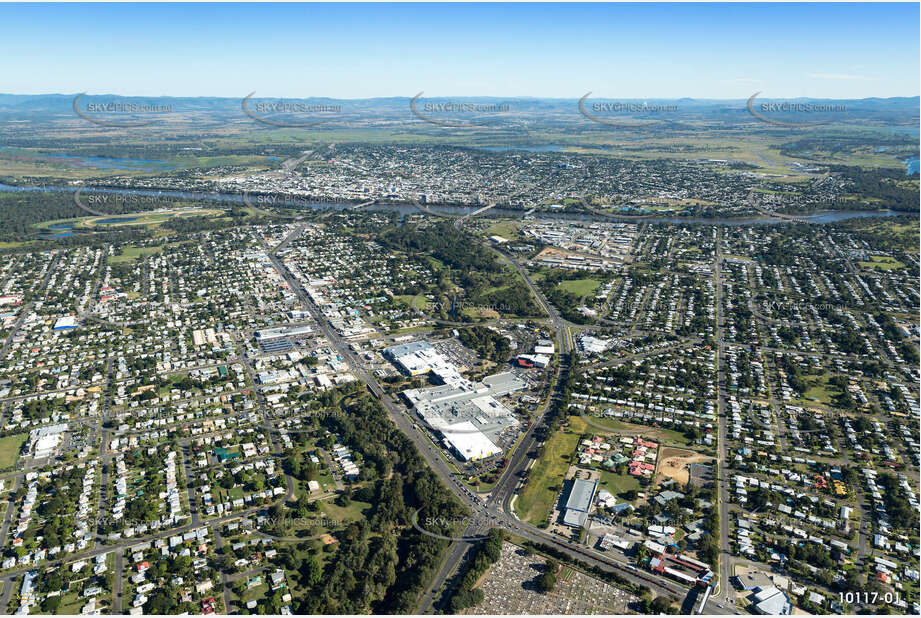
column 581, row 498
column 278, row 332
column 67, row 322
column 420, row 357
column 44, row 441
column 468, row 442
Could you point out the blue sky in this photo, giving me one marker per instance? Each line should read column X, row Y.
column 545, row 50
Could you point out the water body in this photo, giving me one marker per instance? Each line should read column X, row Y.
column 408, row 209
column 63, row 231
column 115, row 220
column 110, row 163
column 542, row 148
column 101, row 163
column 911, row 164
column 912, row 130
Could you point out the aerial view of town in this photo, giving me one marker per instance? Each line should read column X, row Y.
column 463, row 309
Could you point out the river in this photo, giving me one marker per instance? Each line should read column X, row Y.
column 405, row 209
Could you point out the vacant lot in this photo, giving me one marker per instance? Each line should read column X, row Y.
column 673, row 464
column 546, row 477
column 619, row 484
column 9, row 449
column 580, row 287
column 130, row 254
column 819, row 390
column 505, row 229
column 659, row 434
column 881, row 262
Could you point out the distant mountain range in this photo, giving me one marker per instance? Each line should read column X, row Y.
column 897, row 110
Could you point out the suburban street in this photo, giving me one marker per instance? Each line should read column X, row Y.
column 495, row 508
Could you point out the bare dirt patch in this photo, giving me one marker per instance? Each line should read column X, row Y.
column 328, row 539
column 673, row 464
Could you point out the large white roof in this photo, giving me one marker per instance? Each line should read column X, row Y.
column 468, row 441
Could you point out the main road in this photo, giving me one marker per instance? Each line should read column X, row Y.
column 483, row 512
column 722, row 477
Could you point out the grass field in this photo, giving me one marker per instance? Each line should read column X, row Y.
column 233, row 493
column 506, row 229
column 9, row 449
column 617, row 484
column 580, row 287
column 323, row 476
column 819, row 391
column 353, row 512
column 130, row 254
column 404, row 299
column 661, row 434
column 881, row 262
column 148, row 218
column 546, row 477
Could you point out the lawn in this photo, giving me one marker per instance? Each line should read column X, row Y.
column 546, row 476
column 661, row 434
column 473, row 313
column 71, row 603
column 353, row 512
column 229, row 494
column 407, row 299
column 9, row 449
column 881, row 262
column 324, row 477
column 506, row 229
column 580, row 287
column 130, row 254
column 148, row 217
column 618, row 484
column 819, row 390
column 257, row 592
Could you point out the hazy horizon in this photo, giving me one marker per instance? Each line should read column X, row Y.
column 453, row 96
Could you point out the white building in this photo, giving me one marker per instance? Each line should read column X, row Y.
column 468, row 442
